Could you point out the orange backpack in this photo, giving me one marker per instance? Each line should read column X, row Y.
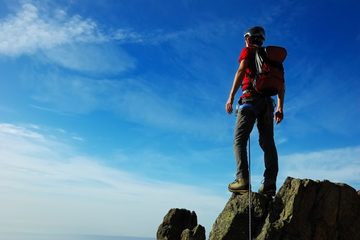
column 269, row 75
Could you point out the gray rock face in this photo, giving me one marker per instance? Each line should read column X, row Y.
column 232, row 223
column 305, row 209
column 180, row 224
column 198, row 233
column 301, row 210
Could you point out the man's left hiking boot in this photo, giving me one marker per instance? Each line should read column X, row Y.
column 240, row 185
column 268, row 188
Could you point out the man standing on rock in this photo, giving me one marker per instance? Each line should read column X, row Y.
column 254, row 107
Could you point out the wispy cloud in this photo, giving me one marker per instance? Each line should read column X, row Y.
column 203, row 33
column 53, row 187
column 71, row 42
column 132, row 99
column 90, row 58
column 57, row 188
column 34, row 28
column 130, row 36
column 76, row 43
column 20, row 131
column 338, row 165
column 313, row 102
column 31, row 29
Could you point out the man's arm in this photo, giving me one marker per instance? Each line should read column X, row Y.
column 239, row 76
column 279, row 114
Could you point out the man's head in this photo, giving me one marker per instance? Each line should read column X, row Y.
column 255, row 36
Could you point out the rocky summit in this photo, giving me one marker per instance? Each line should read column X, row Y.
column 303, row 209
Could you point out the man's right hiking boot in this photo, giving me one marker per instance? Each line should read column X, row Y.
column 268, row 188
column 240, row 185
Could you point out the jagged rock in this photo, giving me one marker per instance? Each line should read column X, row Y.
column 198, row 233
column 305, row 209
column 233, row 221
column 301, row 210
column 180, row 224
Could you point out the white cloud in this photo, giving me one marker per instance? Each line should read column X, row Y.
column 32, row 28
column 54, row 189
column 20, row 131
column 91, row 58
column 128, row 36
column 337, row 165
column 29, row 30
column 69, row 41
column 72, row 42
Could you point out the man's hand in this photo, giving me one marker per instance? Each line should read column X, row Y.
column 279, row 116
column 228, row 105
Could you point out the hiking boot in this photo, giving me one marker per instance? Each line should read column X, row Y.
column 268, row 188
column 240, row 185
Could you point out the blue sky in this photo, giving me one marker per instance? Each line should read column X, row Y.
column 112, row 112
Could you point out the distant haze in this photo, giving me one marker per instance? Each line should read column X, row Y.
column 34, row 236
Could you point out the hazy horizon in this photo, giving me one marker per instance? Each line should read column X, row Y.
column 44, row 236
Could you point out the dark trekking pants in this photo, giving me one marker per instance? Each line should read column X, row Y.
column 262, row 111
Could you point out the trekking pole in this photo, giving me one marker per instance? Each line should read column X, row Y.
column 249, row 192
